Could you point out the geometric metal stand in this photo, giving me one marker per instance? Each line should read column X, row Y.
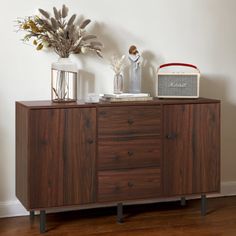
column 42, row 222
column 183, row 201
column 120, row 217
column 203, row 205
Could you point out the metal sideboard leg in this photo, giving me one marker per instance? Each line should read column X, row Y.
column 183, row 201
column 120, row 217
column 42, row 222
column 31, row 215
column 203, row 204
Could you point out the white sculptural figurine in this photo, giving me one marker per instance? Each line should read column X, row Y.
column 135, row 70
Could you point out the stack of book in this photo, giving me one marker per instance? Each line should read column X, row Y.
column 126, row 97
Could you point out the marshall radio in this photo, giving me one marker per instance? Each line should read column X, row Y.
column 176, row 83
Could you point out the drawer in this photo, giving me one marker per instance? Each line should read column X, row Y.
column 129, row 121
column 128, row 184
column 121, row 153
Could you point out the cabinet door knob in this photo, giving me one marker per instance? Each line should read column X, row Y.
column 171, row 136
column 130, row 121
column 102, row 113
column 130, row 153
column 90, row 141
column 130, row 184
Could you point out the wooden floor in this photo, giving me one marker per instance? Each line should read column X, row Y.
column 163, row 219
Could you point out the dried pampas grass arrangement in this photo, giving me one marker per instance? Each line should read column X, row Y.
column 118, row 64
column 59, row 32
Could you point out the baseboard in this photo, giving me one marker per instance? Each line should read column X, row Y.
column 228, row 188
column 14, row 208
column 11, row 209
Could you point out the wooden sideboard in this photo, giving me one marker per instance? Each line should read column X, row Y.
column 77, row 155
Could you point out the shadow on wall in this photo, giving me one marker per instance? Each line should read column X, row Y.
column 109, row 38
column 86, row 84
column 213, row 86
column 217, row 87
column 117, row 44
column 149, row 72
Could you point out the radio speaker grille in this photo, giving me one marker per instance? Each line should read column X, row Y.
column 177, row 85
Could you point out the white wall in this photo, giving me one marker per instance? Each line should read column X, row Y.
column 202, row 32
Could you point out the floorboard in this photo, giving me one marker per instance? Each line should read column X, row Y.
column 164, row 219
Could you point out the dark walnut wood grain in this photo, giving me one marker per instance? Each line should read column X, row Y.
column 62, row 157
column 191, row 149
column 77, row 154
column 123, row 153
column 82, row 104
column 80, row 163
column 22, row 129
column 206, row 149
column 129, row 121
column 128, row 184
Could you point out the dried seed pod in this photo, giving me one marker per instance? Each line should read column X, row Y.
column 84, row 23
column 96, row 48
column 64, row 11
column 99, row 53
column 40, row 47
column 94, row 44
column 77, row 51
column 56, row 13
column 88, row 37
column 59, row 13
column 71, row 20
column 54, row 24
column 44, row 13
column 84, row 50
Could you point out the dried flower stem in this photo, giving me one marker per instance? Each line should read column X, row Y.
column 64, row 36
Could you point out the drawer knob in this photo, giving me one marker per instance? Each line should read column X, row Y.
column 130, row 153
column 130, row 121
column 130, row 184
column 90, row 141
column 171, row 136
column 102, row 113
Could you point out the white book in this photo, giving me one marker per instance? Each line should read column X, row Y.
column 127, row 95
column 128, row 99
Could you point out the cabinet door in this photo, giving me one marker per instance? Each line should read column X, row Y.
column 62, row 157
column 191, row 149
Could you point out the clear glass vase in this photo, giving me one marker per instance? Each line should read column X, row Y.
column 118, row 83
column 64, row 81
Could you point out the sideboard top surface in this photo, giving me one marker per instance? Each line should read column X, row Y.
column 155, row 101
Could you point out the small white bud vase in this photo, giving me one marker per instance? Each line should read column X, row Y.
column 118, row 83
column 64, row 81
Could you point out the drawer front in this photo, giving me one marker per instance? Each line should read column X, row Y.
column 121, row 153
column 129, row 121
column 128, row 184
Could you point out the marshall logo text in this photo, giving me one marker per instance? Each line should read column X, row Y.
column 177, row 85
